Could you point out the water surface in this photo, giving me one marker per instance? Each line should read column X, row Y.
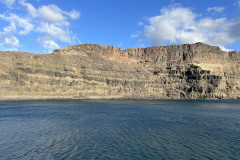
column 120, row 130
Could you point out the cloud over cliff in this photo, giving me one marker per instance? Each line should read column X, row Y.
column 177, row 24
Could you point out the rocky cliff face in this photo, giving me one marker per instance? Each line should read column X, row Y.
column 189, row 71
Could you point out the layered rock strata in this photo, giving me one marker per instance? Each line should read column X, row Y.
column 89, row 71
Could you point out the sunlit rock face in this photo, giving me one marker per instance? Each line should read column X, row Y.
column 90, row 71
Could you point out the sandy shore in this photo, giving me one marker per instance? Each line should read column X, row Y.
column 32, row 98
column 29, row 98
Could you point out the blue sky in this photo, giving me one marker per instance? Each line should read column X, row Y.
column 40, row 26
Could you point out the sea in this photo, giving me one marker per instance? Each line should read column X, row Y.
column 119, row 130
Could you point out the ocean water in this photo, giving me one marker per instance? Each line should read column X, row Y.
column 120, row 129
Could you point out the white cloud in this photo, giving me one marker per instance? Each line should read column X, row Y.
column 73, row 14
column 52, row 14
column 225, row 49
column 48, row 43
column 53, row 22
column 170, row 25
column 239, row 3
column 23, row 24
column 181, row 25
column 18, row 25
column 55, row 31
column 136, row 34
column 11, row 41
column 48, row 20
column 10, row 29
column 32, row 11
column 7, row 39
column 216, row 9
column 8, row 3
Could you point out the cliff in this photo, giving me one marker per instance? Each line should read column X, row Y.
column 89, row 71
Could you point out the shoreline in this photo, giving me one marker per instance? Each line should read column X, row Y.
column 55, row 98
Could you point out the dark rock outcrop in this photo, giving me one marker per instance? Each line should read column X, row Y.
column 188, row 71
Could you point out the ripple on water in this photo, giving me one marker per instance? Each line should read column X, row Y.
column 119, row 130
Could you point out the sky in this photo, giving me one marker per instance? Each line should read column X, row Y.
column 40, row 26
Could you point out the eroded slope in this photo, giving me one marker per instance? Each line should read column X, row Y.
column 189, row 71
